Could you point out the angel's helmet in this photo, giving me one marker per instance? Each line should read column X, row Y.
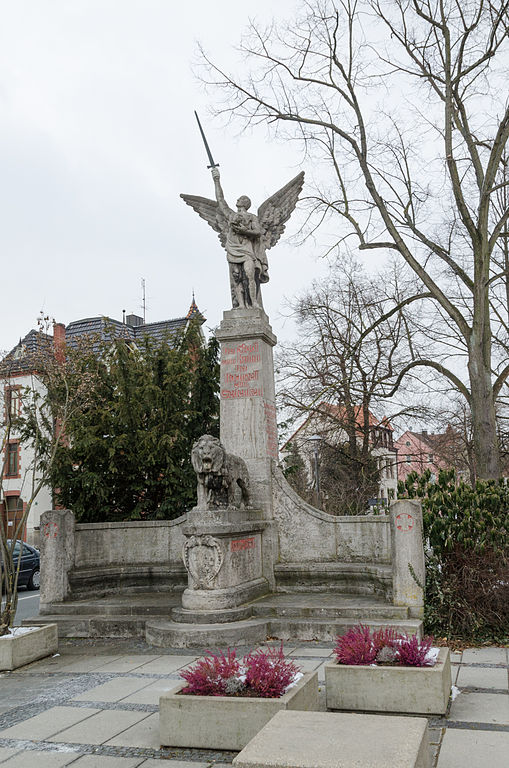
column 244, row 202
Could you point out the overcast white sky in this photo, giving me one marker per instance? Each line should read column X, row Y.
column 97, row 140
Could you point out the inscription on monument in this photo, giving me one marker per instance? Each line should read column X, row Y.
column 240, row 371
column 240, row 544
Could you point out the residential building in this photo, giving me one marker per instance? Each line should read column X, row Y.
column 418, row 451
column 328, row 423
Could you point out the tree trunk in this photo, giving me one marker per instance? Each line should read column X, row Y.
column 482, row 406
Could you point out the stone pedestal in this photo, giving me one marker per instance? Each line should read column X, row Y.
column 408, row 566
column 223, row 557
column 57, row 555
column 248, row 409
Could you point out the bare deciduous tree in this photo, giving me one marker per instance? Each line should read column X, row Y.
column 407, row 101
column 354, row 337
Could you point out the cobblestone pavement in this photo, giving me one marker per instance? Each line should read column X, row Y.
column 96, row 706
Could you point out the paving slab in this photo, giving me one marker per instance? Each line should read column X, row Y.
column 99, row 728
column 315, row 652
column 41, row 727
column 307, row 665
column 41, row 759
column 116, row 689
column 474, row 749
column 165, row 665
column 6, row 752
column 337, row 740
column 481, row 708
column 68, row 663
column 151, row 693
column 127, row 663
column 485, row 656
column 143, row 734
column 483, row 677
column 104, row 761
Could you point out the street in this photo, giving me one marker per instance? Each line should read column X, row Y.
column 28, row 605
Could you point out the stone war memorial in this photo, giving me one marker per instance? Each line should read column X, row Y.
column 252, row 560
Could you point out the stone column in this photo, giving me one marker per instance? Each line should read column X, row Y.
column 407, row 555
column 248, row 426
column 57, row 556
column 248, row 409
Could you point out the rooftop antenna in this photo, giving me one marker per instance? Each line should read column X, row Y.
column 143, row 297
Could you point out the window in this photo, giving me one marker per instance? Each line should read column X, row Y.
column 409, row 458
column 430, row 458
column 12, row 403
column 407, row 443
column 12, row 460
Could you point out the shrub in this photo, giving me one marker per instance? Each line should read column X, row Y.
column 268, row 673
column 356, row 647
column 466, row 535
column 361, row 646
column 412, row 652
column 265, row 674
column 211, row 675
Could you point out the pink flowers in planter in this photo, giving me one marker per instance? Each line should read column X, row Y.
column 261, row 674
column 383, row 646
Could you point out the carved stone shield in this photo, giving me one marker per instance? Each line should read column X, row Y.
column 203, row 559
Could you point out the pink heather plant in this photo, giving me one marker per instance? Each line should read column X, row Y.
column 412, row 652
column 208, row 677
column 268, row 673
column 356, row 647
column 361, row 646
column 385, row 637
column 264, row 674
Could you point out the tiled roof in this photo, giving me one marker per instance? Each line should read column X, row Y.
column 26, row 355
column 106, row 328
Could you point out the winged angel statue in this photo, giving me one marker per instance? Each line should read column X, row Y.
column 247, row 237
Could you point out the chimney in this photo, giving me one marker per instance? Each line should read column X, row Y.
column 59, row 341
column 134, row 321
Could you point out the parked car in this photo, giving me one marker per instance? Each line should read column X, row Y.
column 30, row 568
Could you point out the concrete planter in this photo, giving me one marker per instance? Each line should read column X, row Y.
column 17, row 650
column 410, row 690
column 226, row 722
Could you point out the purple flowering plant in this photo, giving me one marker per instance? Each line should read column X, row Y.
column 361, row 646
column 261, row 674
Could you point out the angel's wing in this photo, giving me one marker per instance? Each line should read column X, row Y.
column 275, row 212
column 210, row 211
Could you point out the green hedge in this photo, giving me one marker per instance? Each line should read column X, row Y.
column 466, row 538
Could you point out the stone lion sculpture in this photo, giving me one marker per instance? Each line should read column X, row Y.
column 223, row 479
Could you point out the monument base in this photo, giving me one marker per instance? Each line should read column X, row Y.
column 223, row 557
column 172, row 634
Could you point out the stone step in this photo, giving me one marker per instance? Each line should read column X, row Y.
column 134, row 607
column 359, row 578
column 167, row 634
column 302, row 611
column 172, row 634
column 327, row 630
column 92, row 625
column 68, row 626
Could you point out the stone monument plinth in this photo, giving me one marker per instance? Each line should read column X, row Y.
column 223, row 558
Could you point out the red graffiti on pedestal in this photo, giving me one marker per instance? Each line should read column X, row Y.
column 50, row 530
column 404, row 522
